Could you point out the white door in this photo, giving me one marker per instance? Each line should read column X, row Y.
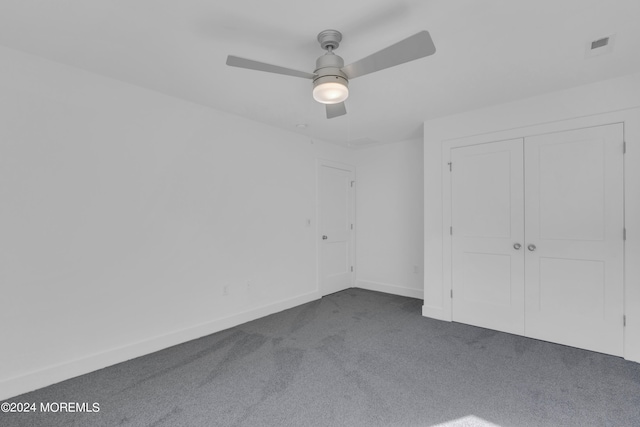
column 487, row 235
column 574, row 238
column 336, row 211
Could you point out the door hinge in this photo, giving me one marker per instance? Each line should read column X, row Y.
column 624, row 233
column 352, row 182
column 352, row 226
column 450, row 166
column 624, row 147
column 352, row 268
column 451, row 293
column 624, row 320
column 451, row 231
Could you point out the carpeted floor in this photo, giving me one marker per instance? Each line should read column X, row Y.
column 354, row 358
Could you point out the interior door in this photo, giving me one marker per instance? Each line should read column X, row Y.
column 487, row 235
column 336, row 209
column 574, row 238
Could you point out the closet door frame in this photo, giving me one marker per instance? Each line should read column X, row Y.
column 630, row 120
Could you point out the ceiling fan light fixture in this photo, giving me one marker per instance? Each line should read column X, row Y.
column 330, row 89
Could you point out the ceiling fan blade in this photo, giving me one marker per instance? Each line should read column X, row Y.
column 417, row 46
column 336, row 110
column 235, row 61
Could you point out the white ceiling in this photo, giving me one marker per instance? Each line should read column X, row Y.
column 488, row 52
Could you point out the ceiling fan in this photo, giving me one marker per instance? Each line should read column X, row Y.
column 331, row 77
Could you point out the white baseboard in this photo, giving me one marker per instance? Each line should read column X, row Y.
column 53, row 374
column 436, row 313
column 390, row 289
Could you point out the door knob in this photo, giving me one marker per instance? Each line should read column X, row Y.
column 531, row 247
column 324, row 237
column 517, row 246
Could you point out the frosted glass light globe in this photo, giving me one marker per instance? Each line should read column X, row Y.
column 330, row 93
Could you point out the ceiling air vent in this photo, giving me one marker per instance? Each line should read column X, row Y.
column 599, row 43
column 600, row 46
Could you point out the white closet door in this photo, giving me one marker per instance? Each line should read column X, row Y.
column 487, row 211
column 574, row 238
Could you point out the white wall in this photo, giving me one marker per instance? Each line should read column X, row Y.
column 577, row 107
column 124, row 213
column 390, row 217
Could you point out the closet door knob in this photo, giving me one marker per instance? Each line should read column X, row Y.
column 517, row 246
column 324, row 237
column 531, row 247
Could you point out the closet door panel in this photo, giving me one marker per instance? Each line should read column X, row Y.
column 574, row 238
column 487, row 211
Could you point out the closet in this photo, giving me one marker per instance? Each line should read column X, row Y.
column 537, row 236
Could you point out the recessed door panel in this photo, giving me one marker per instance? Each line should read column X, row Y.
column 574, row 235
column 483, row 182
column 486, row 278
column 336, row 257
column 572, row 285
column 571, row 185
column 487, row 211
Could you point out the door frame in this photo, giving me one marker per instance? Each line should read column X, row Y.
column 320, row 163
column 629, row 120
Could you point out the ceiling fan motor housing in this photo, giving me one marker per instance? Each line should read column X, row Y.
column 328, row 69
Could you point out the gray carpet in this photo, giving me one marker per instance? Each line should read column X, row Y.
column 354, row 358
